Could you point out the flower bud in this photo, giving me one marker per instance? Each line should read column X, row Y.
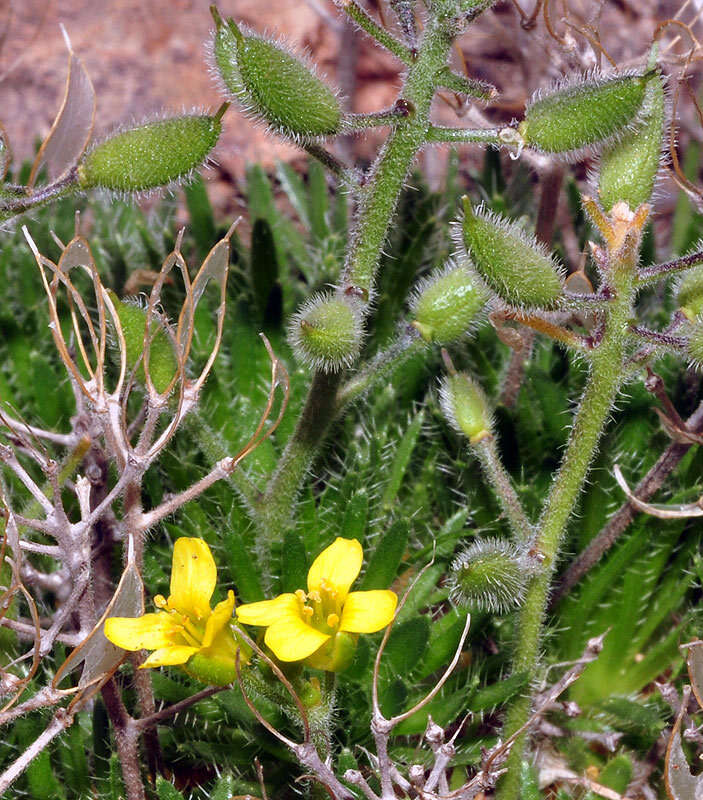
column 689, row 292
column 274, row 85
column 326, row 333
column 489, row 575
column 162, row 357
column 514, row 265
column 578, row 114
column 465, row 406
column 446, row 304
column 151, row 155
column 629, row 167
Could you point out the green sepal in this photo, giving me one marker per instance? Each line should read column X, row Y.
column 326, row 333
column 465, row 407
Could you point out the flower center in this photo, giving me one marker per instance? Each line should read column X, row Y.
column 321, row 608
column 192, row 633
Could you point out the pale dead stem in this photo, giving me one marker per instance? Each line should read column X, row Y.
column 107, row 511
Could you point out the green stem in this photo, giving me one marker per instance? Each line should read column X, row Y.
column 408, row 344
column 463, row 135
column 487, row 453
column 381, row 35
column 376, row 208
column 604, row 381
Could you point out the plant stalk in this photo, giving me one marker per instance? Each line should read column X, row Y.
column 604, row 382
column 377, row 204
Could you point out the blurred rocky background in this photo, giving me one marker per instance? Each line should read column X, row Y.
column 147, row 56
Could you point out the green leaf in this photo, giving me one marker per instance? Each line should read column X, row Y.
column 166, row 790
column 264, row 273
column 202, row 221
column 386, row 558
column 401, row 461
column 406, row 645
column 355, row 517
column 294, row 564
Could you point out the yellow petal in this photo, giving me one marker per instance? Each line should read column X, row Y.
column 291, row 639
column 148, row 632
column 338, row 566
column 221, row 615
column 368, row 612
column 193, row 577
column 170, row 656
column 266, row 612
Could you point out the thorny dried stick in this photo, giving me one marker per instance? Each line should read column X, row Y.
column 305, row 751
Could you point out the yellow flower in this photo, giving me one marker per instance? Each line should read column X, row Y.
column 186, row 632
column 320, row 626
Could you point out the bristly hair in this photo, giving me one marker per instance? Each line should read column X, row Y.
column 317, row 361
column 137, row 122
column 513, row 228
column 569, row 84
column 246, row 103
column 593, row 172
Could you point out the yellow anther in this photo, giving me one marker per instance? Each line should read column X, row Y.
column 160, row 601
column 307, row 611
column 333, row 620
column 300, row 594
column 315, row 596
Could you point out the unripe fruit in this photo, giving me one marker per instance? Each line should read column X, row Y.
column 274, row 85
column 629, row 167
column 163, row 364
column 466, row 407
column 694, row 342
column 689, row 292
column 578, row 114
column 447, row 303
column 514, row 265
column 151, row 155
column 326, row 333
column 489, row 576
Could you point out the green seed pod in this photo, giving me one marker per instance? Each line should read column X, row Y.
column 162, row 357
column 629, row 167
column 694, row 342
column 326, row 333
column 514, row 265
column 490, row 575
column 151, row 155
column 447, row 303
column 466, row 407
column 577, row 114
column 274, row 85
column 689, row 292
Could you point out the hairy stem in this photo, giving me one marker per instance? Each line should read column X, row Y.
column 376, row 208
column 604, row 381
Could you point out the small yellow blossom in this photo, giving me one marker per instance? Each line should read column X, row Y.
column 186, row 632
column 320, row 625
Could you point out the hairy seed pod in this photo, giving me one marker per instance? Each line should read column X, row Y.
column 326, row 333
column 689, row 292
column 465, row 406
column 489, row 575
column 150, row 155
column 447, row 303
column 162, row 357
column 274, row 85
column 513, row 264
column 629, row 167
column 694, row 342
column 581, row 113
